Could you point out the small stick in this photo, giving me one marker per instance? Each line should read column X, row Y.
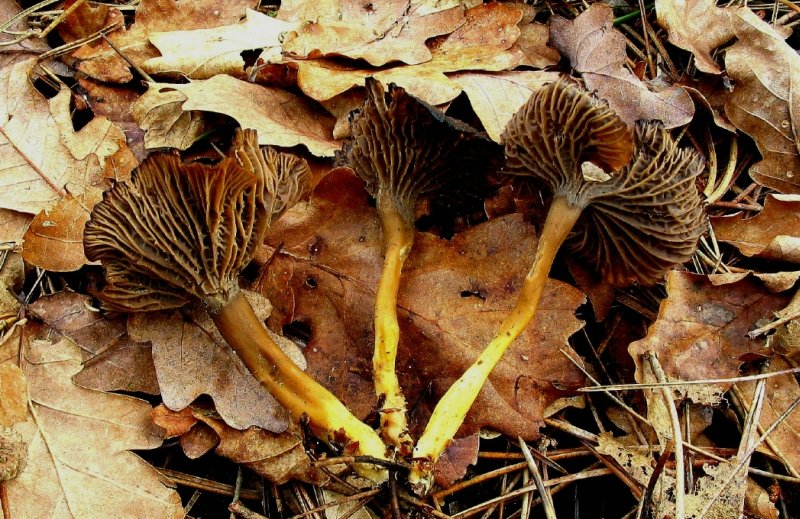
column 60, row 18
column 215, row 487
column 547, row 499
column 127, row 59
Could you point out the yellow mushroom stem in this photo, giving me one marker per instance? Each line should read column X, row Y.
column 398, row 235
column 451, row 410
column 293, row 388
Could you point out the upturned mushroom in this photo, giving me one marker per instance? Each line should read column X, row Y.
column 406, row 150
column 181, row 232
column 628, row 201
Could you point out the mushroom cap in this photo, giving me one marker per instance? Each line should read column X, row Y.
column 642, row 211
column 409, row 149
column 177, row 231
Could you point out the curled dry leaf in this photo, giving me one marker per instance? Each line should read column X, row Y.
column 191, row 359
column 484, row 42
column 100, row 61
column 111, row 360
column 772, row 234
column 379, row 32
column 281, row 118
column 597, row 51
column 278, row 457
column 203, row 53
column 453, row 295
column 765, row 71
column 701, row 330
column 78, row 441
column 159, row 112
column 698, row 26
column 774, row 281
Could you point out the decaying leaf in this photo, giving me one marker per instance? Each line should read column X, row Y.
column 701, row 330
column 772, row 234
column 774, row 281
column 112, row 361
column 281, row 118
column 379, row 32
column 454, row 293
column 698, row 26
column 78, row 441
column 100, row 61
column 484, row 42
column 42, row 157
column 597, row 51
column 763, row 104
column 279, row 457
column 191, row 359
column 203, row 53
column 160, row 113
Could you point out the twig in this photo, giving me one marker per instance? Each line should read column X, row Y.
column 67, row 47
column 242, row 511
column 679, row 383
column 347, row 499
column 130, row 62
column 60, row 18
column 215, row 487
column 547, row 499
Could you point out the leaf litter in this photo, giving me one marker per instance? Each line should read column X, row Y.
column 733, row 313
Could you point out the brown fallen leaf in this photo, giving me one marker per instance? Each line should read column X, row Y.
column 281, row 118
column 203, row 53
column 87, row 19
column 783, row 443
column 112, row 361
column 192, row 359
column 13, row 226
column 698, row 26
column 454, row 293
column 701, row 330
column 483, row 43
column 78, row 441
column 54, row 240
column 279, row 457
column 160, row 114
column 597, row 50
column 14, row 388
column 774, row 281
column 454, row 462
column 174, row 423
column 532, row 42
column 100, row 61
column 12, row 278
column 380, row 32
column 772, row 234
column 496, row 97
column 766, row 72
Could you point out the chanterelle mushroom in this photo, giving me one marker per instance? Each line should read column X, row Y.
column 179, row 232
column 405, row 150
column 634, row 203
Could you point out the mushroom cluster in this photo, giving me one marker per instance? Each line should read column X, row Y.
column 624, row 200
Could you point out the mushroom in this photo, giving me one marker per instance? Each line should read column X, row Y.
column 181, row 232
column 406, row 150
column 632, row 201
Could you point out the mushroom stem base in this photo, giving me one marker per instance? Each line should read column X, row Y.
column 451, row 410
column 398, row 236
column 293, row 388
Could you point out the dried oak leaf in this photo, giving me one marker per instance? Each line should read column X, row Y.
column 86, row 20
column 497, row 96
column 772, row 234
column 78, row 441
column 160, row 114
column 784, row 442
column 453, row 296
column 203, row 53
column 111, row 360
column 192, row 358
column 597, row 51
column 100, row 61
column 485, row 42
column 764, row 103
column 279, row 457
column 698, row 26
column 701, row 330
column 379, row 32
column 281, row 118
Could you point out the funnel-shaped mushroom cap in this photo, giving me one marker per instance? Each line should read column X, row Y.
column 175, row 232
column 643, row 213
column 410, row 149
column 285, row 177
